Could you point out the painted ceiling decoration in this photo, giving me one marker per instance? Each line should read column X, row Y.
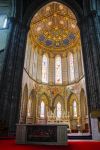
column 54, row 27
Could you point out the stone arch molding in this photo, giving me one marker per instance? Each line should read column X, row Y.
column 32, row 94
column 31, row 107
column 73, row 5
column 58, row 98
column 43, row 97
column 71, row 99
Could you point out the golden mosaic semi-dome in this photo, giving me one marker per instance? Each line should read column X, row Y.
column 54, row 28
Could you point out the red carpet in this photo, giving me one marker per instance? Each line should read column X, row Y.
column 72, row 145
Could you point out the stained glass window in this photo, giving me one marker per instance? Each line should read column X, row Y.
column 29, row 108
column 45, row 69
column 42, row 110
column 58, row 110
column 58, row 70
column 71, row 65
column 74, row 108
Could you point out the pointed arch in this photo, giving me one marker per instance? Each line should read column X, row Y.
column 43, row 105
column 58, row 70
column 31, row 107
column 58, row 105
column 57, row 98
column 73, row 105
column 45, row 97
column 74, row 6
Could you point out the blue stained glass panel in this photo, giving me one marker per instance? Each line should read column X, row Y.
column 65, row 41
column 41, row 38
column 48, row 42
column 72, row 36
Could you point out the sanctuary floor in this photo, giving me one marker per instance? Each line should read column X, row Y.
column 72, row 145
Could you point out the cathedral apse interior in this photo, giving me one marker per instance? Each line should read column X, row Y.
column 50, row 65
column 53, row 84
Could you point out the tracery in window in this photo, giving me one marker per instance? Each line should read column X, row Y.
column 74, row 108
column 45, row 69
column 42, row 109
column 58, row 110
column 58, row 70
column 71, row 67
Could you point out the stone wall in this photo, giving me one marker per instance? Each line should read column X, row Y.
column 5, row 9
column 64, row 93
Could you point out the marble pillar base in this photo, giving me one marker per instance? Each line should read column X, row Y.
column 95, row 129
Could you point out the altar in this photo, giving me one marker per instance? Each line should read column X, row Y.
column 46, row 134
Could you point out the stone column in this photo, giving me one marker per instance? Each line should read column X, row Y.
column 76, row 63
column 51, row 70
column 30, row 66
column 7, row 49
column 82, row 64
column 35, row 66
column 91, row 25
column 90, row 34
column 64, row 70
column 17, row 78
column 79, row 63
column 12, row 77
column 68, row 70
column 91, row 68
column 28, row 55
column 39, row 67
